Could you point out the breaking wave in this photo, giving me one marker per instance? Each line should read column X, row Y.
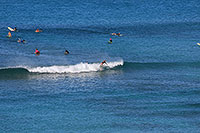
column 77, row 68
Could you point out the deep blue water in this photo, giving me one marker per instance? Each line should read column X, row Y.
column 151, row 82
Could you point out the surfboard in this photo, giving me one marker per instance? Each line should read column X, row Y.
column 109, row 42
column 11, row 29
column 198, row 44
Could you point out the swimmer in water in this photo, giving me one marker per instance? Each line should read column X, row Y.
column 37, row 30
column 19, row 40
column 9, row 34
column 37, row 52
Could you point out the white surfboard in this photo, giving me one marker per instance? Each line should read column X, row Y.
column 11, row 29
column 198, row 44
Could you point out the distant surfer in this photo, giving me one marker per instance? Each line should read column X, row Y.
column 37, row 30
column 37, row 52
column 103, row 62
column 116, row 34
column 21, row 41
column 66, row 52
column 110, row 41
column 15, row 29
column 9, row 34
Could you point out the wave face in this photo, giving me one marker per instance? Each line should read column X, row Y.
column 7, row 71
column 94, row 67
column 78, row 68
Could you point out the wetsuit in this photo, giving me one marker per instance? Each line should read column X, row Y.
column 103, row 62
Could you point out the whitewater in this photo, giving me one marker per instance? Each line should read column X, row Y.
column 77, row 68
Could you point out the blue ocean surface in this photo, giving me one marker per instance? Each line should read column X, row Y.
column 151, row 82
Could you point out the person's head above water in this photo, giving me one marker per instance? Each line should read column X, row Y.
column 66, row 52
column 37, row 30
column 36, row 51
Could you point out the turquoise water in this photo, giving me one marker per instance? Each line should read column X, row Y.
column 151, row 83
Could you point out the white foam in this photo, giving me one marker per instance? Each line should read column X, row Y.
column 78, row 68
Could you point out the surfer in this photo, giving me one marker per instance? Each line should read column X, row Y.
column 103, row 62
column 20, row 40
column 9, row 34
column 37, row 52
column 110, row 40
column 15, row 29
column 37, row 30
column 66, row 52
column 118, row 34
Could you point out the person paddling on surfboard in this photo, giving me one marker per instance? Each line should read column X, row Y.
column 37, row 52
column 66, row 52
column 37, row 30
column 9, row 34
column 15, row 29
column 118, row 34
column 21, row 41
column 114, row 34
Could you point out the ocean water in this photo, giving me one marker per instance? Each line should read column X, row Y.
column 150, row 84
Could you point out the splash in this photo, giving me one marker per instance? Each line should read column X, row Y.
column 78, row 68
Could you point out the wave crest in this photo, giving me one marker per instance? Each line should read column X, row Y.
column 78, row 68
